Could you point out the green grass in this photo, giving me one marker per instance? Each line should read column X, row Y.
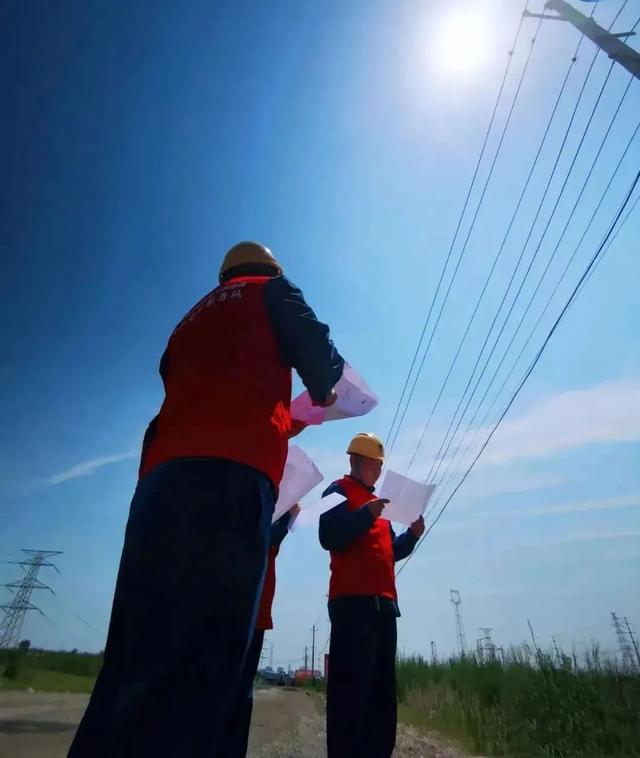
column 68, row 662
column 48, row 681
column 528, row 705
column 48, row 670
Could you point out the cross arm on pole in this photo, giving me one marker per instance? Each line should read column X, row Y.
column 611, row 44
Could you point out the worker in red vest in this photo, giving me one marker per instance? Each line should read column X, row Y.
column 363, row 607
column 239, row 723
column 197, row 538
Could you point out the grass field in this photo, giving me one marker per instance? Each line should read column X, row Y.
column 48, row 681
column 48, row 670
column 530, row 704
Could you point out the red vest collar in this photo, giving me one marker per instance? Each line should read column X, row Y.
column 360, row 482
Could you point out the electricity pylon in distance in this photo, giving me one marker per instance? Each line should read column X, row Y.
column 16, row 610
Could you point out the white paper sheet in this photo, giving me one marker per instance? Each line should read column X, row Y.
column 354, row 399
column 301, row 475
column 311, row 516
column 408, row 498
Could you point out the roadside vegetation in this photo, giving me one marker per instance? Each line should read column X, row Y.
column 48, row 670
column 525, row 703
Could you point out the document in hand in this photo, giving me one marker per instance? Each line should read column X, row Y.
column 301, row 475
column 354, row 399
column 408, row 498
column 311, row 516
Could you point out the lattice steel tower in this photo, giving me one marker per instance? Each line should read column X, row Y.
column 626, row 641
column 16, row 610
column 457, row 602
column 486, row 646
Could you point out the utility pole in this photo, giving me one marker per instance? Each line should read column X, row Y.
column 611, row 43
column 632, row 638
column 313, row 654
column 626, row 648
column 434, row 654
column 306, row 659
column 456, row 601
column 271, row 656
column 16, row 610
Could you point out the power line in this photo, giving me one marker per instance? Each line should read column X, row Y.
column 575, row 252
column 497, row 257
column 459, row 222
column 457, row 230
column 469, row 232
column 534, row 363
column 527, row 309
column 599, row 261
column 440, row 455
column 582, row 238
column 540, row 280
column 490, row 409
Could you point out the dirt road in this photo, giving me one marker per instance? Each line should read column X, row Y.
column 286, row 724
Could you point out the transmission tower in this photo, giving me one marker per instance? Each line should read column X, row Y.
column 633, row 639
column 16, row 610
column 626, row 641
column 457, row 602
column 486, row 646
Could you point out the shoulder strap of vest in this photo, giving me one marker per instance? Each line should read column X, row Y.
column 336, row 488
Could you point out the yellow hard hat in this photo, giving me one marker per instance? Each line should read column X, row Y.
column 367, row 445
column 249, row 252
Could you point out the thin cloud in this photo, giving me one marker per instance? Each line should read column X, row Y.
column 88, row 468
column 580, row 506
column 592, row 536
column 583, row 506
column 509, row 483
column 608, row 412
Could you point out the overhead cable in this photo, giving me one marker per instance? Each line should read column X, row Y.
column 447, row 438
column 554, row 252
column 536, row 359
column 457, row 230
column 497, row 257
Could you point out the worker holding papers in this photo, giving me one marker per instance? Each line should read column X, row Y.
column 361, row 690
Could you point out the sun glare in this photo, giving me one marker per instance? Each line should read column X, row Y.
column 462, row 41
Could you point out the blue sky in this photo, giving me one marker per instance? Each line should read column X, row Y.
column 142, row 141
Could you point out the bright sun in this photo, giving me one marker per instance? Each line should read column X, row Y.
column 462, row 41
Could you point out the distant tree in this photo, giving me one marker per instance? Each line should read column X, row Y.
column 24, row 645
column 12, row 668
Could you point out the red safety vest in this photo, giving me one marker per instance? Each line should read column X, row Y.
column 264, row 620
column 366, row 567
column 227, row 389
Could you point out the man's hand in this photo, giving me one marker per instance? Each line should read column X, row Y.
column 377, row 506
column 418, row 528
column 329, row 400
column 295, row 510
column 296, row 427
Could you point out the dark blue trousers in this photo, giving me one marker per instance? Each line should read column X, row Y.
column 361, row 688
column 236, row 739
column 184, row 609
